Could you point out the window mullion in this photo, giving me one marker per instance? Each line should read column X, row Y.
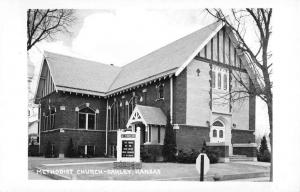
column 86, row 121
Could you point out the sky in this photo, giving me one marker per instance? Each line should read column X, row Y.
column 119, row 36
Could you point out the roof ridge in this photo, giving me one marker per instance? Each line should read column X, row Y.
column 74, row 57
column 207, row 26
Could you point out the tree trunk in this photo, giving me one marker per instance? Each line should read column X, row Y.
column 270, row 113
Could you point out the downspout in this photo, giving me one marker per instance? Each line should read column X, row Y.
column 171, row 100
column 39, row 124
column 106, row 129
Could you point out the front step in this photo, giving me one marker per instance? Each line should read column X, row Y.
column 240, row 158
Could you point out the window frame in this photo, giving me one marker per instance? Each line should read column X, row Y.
column 86, row 116
column 160, row 91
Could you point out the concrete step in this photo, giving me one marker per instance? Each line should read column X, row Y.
column 240, row 158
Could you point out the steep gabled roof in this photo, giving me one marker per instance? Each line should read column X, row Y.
column 84, row 76
column 89, row 77
column 148, row 115
column 166, row 59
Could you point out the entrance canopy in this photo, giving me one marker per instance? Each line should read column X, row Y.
column 147, row 115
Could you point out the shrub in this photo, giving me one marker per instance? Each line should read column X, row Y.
column 213, row 156
column 264, row 154
column 48, row 149
column 71, row 150
column 187, row 157
column 169, row 147
column 149, row 155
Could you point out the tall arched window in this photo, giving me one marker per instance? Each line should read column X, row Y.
column 213, row 79
column 160, row 93
column 219, row 81
column 225, row 81
column 218, row 130
column 87, row 118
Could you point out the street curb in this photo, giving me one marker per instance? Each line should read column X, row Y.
column 240, row 176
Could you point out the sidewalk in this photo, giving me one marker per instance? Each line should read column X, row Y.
column 34, row 176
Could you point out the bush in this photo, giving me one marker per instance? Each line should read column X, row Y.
column 264, row 154
column 149, row 155
column 265, row 157
column 169, row 147
column 213, row 156
column 187, row 157
column 50, row 150
column 71, row 150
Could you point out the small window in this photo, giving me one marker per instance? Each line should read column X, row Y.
column 52, row 118
column 213, row 79
column 158, row 134
column 225, row 81
column 90, row 151
column 219, row 80
column 214, row 133
column 46, row 123
column 221, row 133
column 160, row 91
column 149, row 128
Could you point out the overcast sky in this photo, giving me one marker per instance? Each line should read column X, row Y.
column 117, row 37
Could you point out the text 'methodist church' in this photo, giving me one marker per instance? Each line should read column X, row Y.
column 188, row 80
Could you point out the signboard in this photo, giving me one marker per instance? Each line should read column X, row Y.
column 127, row 148
column 205, row 163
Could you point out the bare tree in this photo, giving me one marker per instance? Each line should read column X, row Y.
column 46, row 23
column 259, row 60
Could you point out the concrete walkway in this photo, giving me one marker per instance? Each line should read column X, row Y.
column 34, row 176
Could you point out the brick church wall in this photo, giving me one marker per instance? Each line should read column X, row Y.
column 191, row 137
column 242, row 136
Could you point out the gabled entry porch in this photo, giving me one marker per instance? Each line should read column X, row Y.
column 152, row 122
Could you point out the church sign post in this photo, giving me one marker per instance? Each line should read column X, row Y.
column 128, row 149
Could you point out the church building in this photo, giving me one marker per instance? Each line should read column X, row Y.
column 192, row 80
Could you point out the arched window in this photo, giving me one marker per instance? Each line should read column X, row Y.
column 214, row 133
column 218, row 129
column 221, row 133
column 52, row 118
column 87, row 118
column 219, row 81
column 213, row 79
column 218, row 124
column 225, row 81
column 160, row 91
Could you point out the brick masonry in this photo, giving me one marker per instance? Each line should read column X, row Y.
column 248, row 151
column 67, row 118
column 222, row 150
column 180, row 98
column 61, row 140
column 191, row 137
column 242, row 136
